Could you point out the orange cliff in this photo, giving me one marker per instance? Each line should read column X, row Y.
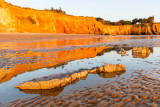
column 17, row 19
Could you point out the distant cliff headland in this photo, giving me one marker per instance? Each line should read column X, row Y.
column 17, row 19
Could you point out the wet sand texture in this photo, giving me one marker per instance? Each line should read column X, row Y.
column 140, row 90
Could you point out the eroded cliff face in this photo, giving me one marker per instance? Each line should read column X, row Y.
column 29, row 20
column 146, row 29
column 6, row 20
column 17, row 19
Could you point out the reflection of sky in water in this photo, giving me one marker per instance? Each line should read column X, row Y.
column 7, row 91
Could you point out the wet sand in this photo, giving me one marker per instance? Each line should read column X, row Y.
column 10, row 37
column 139, row 90
column 56, row 42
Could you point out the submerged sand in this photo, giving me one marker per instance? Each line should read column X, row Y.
column 135, row 87
column 140, row 90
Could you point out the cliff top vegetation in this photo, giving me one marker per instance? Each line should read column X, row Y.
column 56, row 10
column 127, row 22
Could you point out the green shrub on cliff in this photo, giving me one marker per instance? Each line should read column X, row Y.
column 56, row 10
column 126, row 22
column 123, row 22
column 143, row 21
column 100, row 20
column 150, row 19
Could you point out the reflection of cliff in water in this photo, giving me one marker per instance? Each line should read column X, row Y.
column 115, row 48
column 151, row 49
column 52, row 92
column 20, row 62
column 111, row 74
column 141, row 52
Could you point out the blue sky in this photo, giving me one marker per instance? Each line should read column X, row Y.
column 113, row 10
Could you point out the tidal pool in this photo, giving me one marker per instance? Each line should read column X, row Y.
column 37, row 56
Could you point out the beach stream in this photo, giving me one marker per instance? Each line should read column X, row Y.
column 39, row 56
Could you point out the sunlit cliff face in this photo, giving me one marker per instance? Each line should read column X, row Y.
column 13, row 19
column 2, row 0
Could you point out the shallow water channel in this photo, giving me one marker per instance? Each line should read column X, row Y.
column 24, row 59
